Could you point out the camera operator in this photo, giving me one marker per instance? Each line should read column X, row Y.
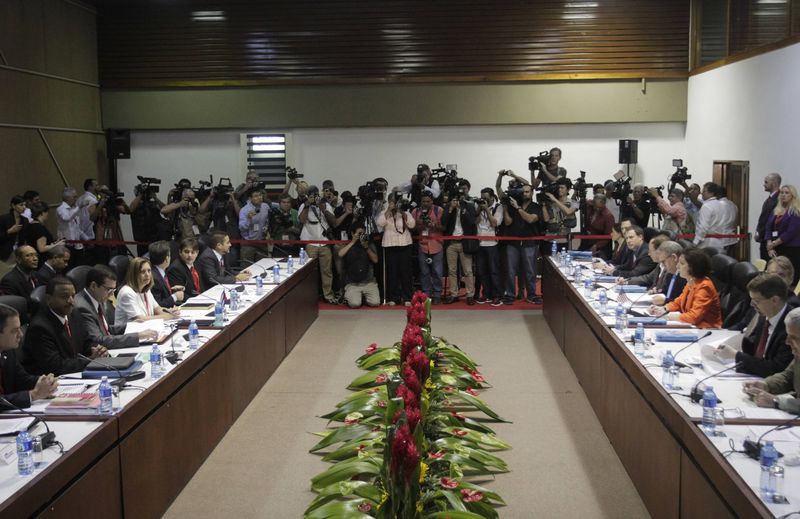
column 601, row 221
column 330, row 194
column 253, row 220
column 284, row 224
column 109, row 209
column 358, row 259
column 317, row 218
column 549, row 171
column 420, row 182
column 516, row 179
column 490, row 216
column 558, row 212
column 676, row 218
column 243, row 191
column 344, row 217
column 459, row 220
column 521, row 218
column 428, row 218
column 295, row 187
column 636, row 207
column 146, row 221
column 187, row 214
column 396, row 223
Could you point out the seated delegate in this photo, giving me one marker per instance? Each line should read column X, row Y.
column 135, row 302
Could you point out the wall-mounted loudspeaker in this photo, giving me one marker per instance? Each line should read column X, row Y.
column 118, row 143
column 628, row 151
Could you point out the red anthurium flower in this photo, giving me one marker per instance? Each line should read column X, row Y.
column 448, row 483
column 472, row 391
column 477, row 376
column 350, row 421
column 470, row 496
column 372, row 348
column 458, row 415
column 436, row 455
column 449, row 389
column 373, row 391
column 381, row 379
column 382, row 403
column 460, row 433
column 364, row 507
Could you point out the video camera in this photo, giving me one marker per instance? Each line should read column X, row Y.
column 581, row 186
column 552, row 188
column 222, row 189
column 147, row 186
column 622, row 189
column 681, row 174
column 291, row 173
column 514, row 190
column 535, row 163
column 447, row 176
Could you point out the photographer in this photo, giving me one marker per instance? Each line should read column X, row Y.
column 516, row 180
column 358, row 259
column 459, row 220
column 428, row 218
column 109, row 209
column 253, row 220
column 243, row 191
column 146, row 221
column 187, row 214
column 344, row 217
column 521, row 218
column 676, row 218
column 284, row 224
column 634, row 206
column 420, row 182
column 490, row 216
column 549, row 170
column 317, row 219
column 296, row 188
column 396, row 223
column 559, row 213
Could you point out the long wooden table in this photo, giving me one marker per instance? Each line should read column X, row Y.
column 674, row 466
column 137, row 462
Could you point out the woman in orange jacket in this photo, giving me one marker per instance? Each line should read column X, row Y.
column 698, row 304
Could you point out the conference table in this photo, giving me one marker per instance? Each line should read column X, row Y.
column 134, row 462
column 678, row 469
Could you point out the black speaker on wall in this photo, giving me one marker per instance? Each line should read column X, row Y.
column 118, row 143
column 628, row 151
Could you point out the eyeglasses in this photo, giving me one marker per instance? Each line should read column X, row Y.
column 108, row 289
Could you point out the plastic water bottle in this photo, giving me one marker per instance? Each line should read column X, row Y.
column 709, row 403
column 259, row 286
column 554, row 249
column 219, row 314
column 106, row 394
column 638, row 341
column 603, row 298
column 621, row 321
column 234, row 300
column 587, row 287
column 769, row 457
column 155, row 363
column 563, row 260
column 668, row 375
column 290, row 264
column 24, row 453
column 276, row 274
column 303, row 256
column 194, row 335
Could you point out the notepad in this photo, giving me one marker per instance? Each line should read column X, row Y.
column 676, row 336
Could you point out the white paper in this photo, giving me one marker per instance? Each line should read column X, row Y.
column 15, row 425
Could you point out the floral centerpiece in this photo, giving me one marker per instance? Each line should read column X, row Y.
column 403, row 445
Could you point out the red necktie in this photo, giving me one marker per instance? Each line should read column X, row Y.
column 33, row 282
column 196, row 279
column 67, row 329
column 166, row 280
column 102, row 318
column 762, row 343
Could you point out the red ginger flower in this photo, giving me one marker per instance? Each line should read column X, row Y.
column 419, row 297
column 411, row 380
column 412, row 338
column 471, row 496
column 420, row 364
column 405, row 456
column 417, row 316
column 414, row 416
column 409, row 398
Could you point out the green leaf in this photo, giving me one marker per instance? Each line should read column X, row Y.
column 342, row 471
column 453, row 514
column 339, row 510
column 478, row 403
column 341, row 434
column 368, row 378
column 381, row 356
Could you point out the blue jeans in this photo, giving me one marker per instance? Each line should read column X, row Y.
column 515, row 253
column 431, row 273
column 489, row 271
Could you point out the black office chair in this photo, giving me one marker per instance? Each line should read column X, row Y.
column 18, row 303
column 711, row 251
column 721, row 266
column 686, row 244
column 120, row 265
column 78, row 276
column 739, row 301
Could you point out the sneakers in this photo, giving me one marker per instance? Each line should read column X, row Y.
column 391, row 303
column 496, row 302
column 471, row 301
column 535, row 300
column 481, row 300
column 508, row 302
column 449, row 300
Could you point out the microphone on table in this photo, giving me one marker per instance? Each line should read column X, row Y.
column 48, row 438
column 240, row 285
column 753, row 448
column 254, row 264
column 681, row 364
column 696, row 395
column 121, row 379
column 654, row 319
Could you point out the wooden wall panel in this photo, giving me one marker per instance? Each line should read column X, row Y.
column 157, row 44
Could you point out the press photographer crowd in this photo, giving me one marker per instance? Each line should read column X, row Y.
column 376, row 243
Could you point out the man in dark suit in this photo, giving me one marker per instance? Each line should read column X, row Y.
column 459, row 220
column 97, row 314
column 772, row 185
column 183, row 272
column 655, row 276
column 211, row 263
column 21, row 280
column 166, row 294
column 55, row 263
column 641, row 262
column 55, row 336
column 17, row 386
column 764, row 349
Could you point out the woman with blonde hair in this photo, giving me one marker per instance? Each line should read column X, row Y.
column 783, row 229
column 135, row 302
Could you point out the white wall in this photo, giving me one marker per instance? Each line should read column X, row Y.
column 748, row 110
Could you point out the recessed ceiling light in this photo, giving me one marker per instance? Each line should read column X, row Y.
column 208, row 16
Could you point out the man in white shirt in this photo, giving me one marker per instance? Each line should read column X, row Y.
column 69, row 223
column 490, row 215
column 718, row 215
column 317, row 218
column 420, row 183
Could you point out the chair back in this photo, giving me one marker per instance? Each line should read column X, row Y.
column 18, row 303
column 119, row 264
column 78, row 276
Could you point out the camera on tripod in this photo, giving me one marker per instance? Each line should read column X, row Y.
column 291, row 173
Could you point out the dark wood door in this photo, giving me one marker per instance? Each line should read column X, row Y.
column 734, row 176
